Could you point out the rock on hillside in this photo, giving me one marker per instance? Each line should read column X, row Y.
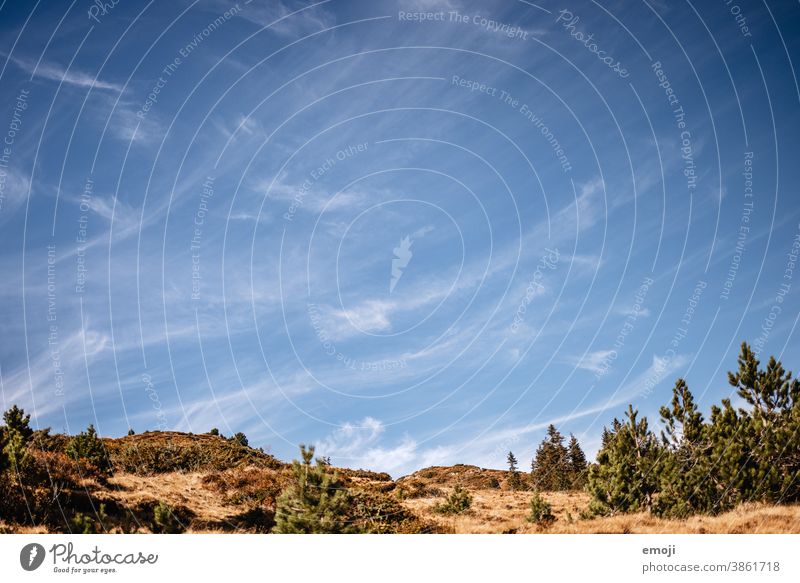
column 429, row 480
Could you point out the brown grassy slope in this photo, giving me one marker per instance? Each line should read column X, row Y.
column 216, row 485
column 212, row 484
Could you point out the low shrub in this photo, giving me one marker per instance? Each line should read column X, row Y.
column 457, row 502
column 541, row 512
column 240, row 438
column 377, row 513
column 87, row 446
column 38, row 490
column 409, row 489
column 152, row 453
column 166, row 520
column 84, row 523
column 248, row 486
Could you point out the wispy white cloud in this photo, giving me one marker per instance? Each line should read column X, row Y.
column 311, row 200
column 61, row 362
column 369, row 316
column 358, row 445
column 276, row 13
column 55, row 72
column 427, row 4
column 592, row 361
column 124, row 216
column 585, row 262
column 13, row 190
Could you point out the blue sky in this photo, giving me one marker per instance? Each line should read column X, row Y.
column 409, row 232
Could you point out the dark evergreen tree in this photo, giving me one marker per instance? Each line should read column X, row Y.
column 240, row 438
column 316, row 501
column 578, row 466
column 14, row 438
column 514, row 479
column 550, row 468
column 16, row 420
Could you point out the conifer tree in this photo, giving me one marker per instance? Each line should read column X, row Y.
column 624, row 478
column 771, row 429
column 514, row 479
column 316, row 502
column 550, row 469
column 4, row 462
column 87, row 445
column 740, row 455
column 16, row 420
column 683, row 466
column 728, row 435
column 578, row 466
column 240, row 438
column 15, row 452
column 14, row 436
column 458, row 501
column 541, row 511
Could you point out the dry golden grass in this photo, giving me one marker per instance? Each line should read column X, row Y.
column 496, row 511
column 174, row 488
column 6, row 528
column 747, row 519
column 214, row 485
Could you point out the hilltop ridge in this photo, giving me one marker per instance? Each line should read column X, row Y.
column 178, row 482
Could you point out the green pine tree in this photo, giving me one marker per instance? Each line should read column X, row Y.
column 15, row 452
column 16, row 420
column 624, row 478
column 88, row 446
column 457, row 502
column 769, row 431
column 729, row 456
column 550, row 468
column 683, row 466
column 14, row 438
column 541, row 512
column 316, row 502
